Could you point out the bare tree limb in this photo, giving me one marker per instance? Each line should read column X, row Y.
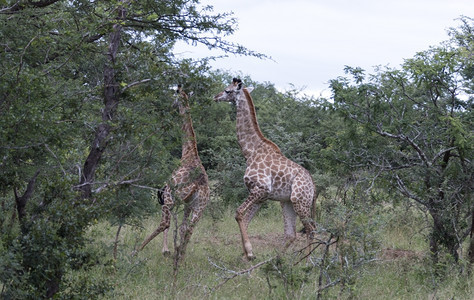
column 134, row 84
column 233, row 274
column 439, row 154
column 402, row 137
column 404, row 190
column 21, row 58
column 54, row 155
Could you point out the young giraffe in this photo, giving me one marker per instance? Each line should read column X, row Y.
column 269, row 174
column 189, row 184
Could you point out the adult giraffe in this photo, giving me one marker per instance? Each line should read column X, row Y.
column 188, row 184
column 269, row 174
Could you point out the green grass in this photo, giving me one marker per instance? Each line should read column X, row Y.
column 401, row 273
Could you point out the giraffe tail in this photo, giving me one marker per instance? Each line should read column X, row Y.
column 160, row 193
column 314, row 206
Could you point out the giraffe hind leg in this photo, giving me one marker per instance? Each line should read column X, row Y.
column 196, row 209
column 302, row 200
column 186, row 235
column 289, row 221
column 164, row 223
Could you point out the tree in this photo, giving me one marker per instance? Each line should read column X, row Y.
column 413, row 128
column 84, row 112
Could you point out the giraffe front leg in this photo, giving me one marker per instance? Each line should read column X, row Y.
column 186, row 233
column 165, row 251
column 164, row 223
column 244, row 215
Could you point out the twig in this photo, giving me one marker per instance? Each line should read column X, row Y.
column 147, row 187
column 54, row 155
column 134, row 84
column 318, row 243
column 21, row 58
column 233, row 273
column 116, row 241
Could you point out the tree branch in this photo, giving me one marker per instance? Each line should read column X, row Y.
column 20, row 6
column 21, row 201
column 404, row 190
column 134, row 84
column 402, row 137
column 233, row 273
column 54, row 155
column 441, row 153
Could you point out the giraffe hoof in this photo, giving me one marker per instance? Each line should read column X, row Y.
column 134, row 253
column 166, row 253
column 250, row 257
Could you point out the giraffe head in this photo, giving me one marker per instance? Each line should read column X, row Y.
column 233, row 92
column 181, row 100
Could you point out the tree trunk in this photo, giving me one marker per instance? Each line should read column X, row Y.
column 442, row 234
column 434, row 238
column 111, row 101
column 434, row 248
column 22, row 200
column 471, row 245
column 52, row 286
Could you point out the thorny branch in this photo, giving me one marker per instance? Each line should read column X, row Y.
column 231, row 274
column 315, row 245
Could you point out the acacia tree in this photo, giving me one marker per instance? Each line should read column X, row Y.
column 413, row 127
column 83, row 100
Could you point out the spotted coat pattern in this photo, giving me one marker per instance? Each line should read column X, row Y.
column 188, row 185
column 269, row 174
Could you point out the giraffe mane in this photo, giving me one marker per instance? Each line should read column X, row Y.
column 187, row 126
column 253, row 115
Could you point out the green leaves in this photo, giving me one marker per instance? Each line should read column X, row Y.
column 55, row 110
column 418, row 133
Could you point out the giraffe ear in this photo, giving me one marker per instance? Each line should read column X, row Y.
column 249, row 89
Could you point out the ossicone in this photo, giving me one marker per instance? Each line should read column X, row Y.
column 238, row 82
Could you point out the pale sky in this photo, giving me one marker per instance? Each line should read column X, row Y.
column 311, row 41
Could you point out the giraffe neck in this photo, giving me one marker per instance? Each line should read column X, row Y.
column 189, row 149
column 249, row 136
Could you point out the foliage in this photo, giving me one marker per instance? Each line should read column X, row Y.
column 88, row 134
column 412, row 128
column 87, row 130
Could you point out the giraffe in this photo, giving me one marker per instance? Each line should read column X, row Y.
column 189, row 184
column 269, row 174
